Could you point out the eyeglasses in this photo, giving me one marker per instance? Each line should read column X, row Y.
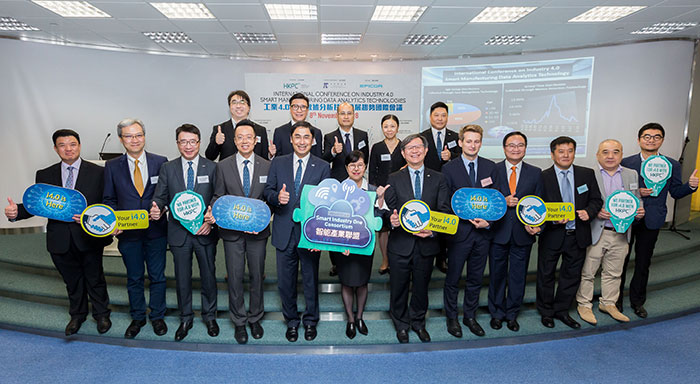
column 184, row 143
column 238, row 102
column 414, row 147
column 650, row 137
column 245, row 138
column 514, row 146
column 299, row 107
column 356, row 166
column 137, row 136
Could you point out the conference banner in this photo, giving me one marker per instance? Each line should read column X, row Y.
column 656, row 170
column 479, row 203
column 53, row 202
column 241, row 213
column 416, row 215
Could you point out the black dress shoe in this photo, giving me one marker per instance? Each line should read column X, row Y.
column 568, row 321
column 640, row 311
column 513, row 325
column 159, row 327
column 473, row 326
column 73, row 326
column 134, row 328
column 547, row 321
column 333, row 271
column 350, row 330
column 292, row 334
column 256, row 330
column 212, row 328
column 384, row 271
column 402, row 335
column 181, row 332
column 103, row 324
column 423, row 335
column 453, row 328
column 309, row 332
column 241, row 334
column 496, row 323
column 361, row 326
column 442, row 266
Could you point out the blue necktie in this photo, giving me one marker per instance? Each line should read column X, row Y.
column 348, row 147
column 69, row 179
column 297, row 177
column 246, row 178
column 472, row 174
column 566, row 196
column 438, row 144
column 417, row 193
column 190, row 176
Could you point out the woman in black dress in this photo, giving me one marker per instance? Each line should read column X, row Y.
column 354, row 270
column 384, row 159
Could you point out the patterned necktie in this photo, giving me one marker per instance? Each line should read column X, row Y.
column 190, row 176
column 438, row 144
column 566, row 195
column 417, row 193
column 69, row 179
column 246, row 178
column 138, row 179
column 513, row 181
column 472, row 174
column 348, row 147
column 297, row 177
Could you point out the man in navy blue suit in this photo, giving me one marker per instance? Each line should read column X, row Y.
column 645, row 232
column 285, row 181
column 512, row 241
column 130, row 181
column 298, row 109
column 471, row 243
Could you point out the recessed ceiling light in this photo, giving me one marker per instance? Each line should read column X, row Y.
column 508, row 39
column 424, row 39
column 341, row 38
column 72, row 8
column 255, row 38
column 12, row 24
column 291, row 11
column 169, row 37
column 373, row 55
column 183, row 10
column 398, row 12
column 502, row 14
column 302, row 55
column 663, row 28
column 605, row 14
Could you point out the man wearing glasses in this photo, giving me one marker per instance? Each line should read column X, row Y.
column 339, row 143
column 130, row 181
column 645, row 232
column 299, row 109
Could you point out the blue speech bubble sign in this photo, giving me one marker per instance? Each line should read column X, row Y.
column 479, row 203
column 53, row 202
column 241, row 213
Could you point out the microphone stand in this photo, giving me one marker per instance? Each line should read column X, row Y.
column 672, row 227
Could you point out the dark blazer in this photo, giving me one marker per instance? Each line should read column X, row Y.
column 282, row 140
column 552, row 234
column 228, row 182
column 359, row 139
column 59, row 234
column 433, row 159
column 170, row 182
column 434, row 193
column 529, row 183
column 655, row 207
column 456, row 177
column 282, row 172
column 228, row 148
column 120, row 194
column 379, row 170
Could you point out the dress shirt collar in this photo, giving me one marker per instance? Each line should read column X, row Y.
column 75, row 165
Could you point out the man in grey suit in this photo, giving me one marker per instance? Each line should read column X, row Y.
column 244, row 174
column 190, row 172
column 608, row 247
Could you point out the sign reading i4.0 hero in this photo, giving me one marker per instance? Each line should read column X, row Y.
column 337, row 216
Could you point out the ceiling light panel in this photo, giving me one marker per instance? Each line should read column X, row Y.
column 508, row 39
column 424, row 39
column 292, row 11
column 255, row 38
column 663, row 28
column 398, row 12
column 502, row 14
column 12, row 24
column 169, row 37
column 341, row 38
column 72, row 8
column 183, row 10
column 605, row 14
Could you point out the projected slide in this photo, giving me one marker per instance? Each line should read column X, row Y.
column 543, row 99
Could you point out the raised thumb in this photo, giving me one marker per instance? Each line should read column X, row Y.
column 219, row 128
column 284, row 188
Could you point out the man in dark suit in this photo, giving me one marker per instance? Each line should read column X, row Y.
column 411, row 254
column 470, row 245
column 565, row 182
column 130, row 181
column 244, row 174
column 192, row 172
column 221, row 143
column 339, row 143
column 512, row 241
column 288, row 176
column 76, row 255
column 299, row 109
column 645, row 232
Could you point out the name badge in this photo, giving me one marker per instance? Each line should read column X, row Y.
column 257, row 139
column 487, row 181
column 154, row 179
column 451, row 144
column 582, row 189
column 203, row 179
column 361, row 144
column 386, row 157
column 634, row 186
column 263, row 179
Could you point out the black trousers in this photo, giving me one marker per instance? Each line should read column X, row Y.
column 508, row 275
column 84, row 276
column 414, row 268
column 549, row 301
column 473, row 252
column 644, row 241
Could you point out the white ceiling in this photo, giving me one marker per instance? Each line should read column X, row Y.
column 548, row 23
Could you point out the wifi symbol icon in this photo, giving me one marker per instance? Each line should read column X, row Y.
column 322, row 193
